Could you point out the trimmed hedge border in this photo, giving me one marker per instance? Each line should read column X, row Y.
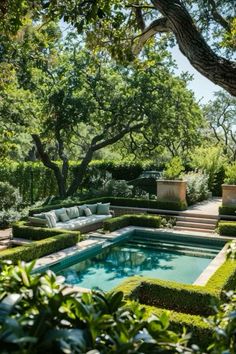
column 184, row 298
column 21, row 229
column 227, row 228
column 135, row 220
column 125, row 202
column 227, row 210
column 39, row 249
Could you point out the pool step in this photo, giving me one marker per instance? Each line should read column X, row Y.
column 174, row 246
column 181, row 250
column 194, row 223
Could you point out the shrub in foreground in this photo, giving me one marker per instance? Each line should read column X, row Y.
column 38, row 316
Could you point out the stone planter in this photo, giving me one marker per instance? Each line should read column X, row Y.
column 171, row 190
column 228, row 194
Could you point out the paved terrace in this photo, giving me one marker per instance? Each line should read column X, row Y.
column 207, row 207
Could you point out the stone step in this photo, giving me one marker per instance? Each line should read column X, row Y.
column 3, row 247
column 198, row 215
column 197, row 229
column 195, row 225
column 197, row 220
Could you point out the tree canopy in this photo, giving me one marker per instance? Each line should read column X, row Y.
column 203, row 30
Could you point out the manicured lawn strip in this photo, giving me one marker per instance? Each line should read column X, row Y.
column 39, row 249
column 227, row 210
column 115, row 201
column 224, row 278
column 135, row 220
column 227, row 228
column 20, row 229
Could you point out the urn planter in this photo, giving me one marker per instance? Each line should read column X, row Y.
column 228, row 194
column 170, row 190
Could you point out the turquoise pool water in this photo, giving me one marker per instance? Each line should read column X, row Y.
column 179, row 261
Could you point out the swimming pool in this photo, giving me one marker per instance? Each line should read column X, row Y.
column 180, row 259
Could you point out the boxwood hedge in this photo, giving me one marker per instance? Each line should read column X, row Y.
column 135, row 220
column 227, row 210
column 21, row 229
column 227, row 228
column 39, row 249
column 115, row 201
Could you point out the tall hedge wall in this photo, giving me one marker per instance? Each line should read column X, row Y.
column 36, row 182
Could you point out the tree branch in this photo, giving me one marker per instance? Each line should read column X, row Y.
column 192, row 44
column 157, row 26
column 218, row 17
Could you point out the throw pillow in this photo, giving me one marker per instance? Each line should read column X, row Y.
column 87, row 212
column 93, row 208
column 40, row 216
column 58, row 212
column 73, row 212
column 37, row 221
column 81, row 210
column 103, row 209
column 64, row 217
column 51, row 219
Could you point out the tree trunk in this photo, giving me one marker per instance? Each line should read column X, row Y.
column 79, row 173
column 191, row 43
column 53, row 166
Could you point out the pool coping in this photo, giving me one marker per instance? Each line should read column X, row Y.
column 99, row 241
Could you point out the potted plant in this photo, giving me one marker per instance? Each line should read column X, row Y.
column 172, row 187
column 229, row 186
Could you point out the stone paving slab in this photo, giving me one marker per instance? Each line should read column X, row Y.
column 207, row 207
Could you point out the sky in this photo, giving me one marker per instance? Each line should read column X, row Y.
column 202, row 87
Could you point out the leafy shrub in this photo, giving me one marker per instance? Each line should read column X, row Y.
column 118, row 188
column 10, row 196
column 39, row 249
column 135, row 220
column 37, row 316
column 197, row 187
column 209, row 160
column 230, row 174
column 7, row 217
column 173, row 169
column 227, row 228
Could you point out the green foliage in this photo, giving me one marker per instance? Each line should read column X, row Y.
column 224, row 324
column 118, row 188
column 21, row 229
column 173, row 168
column 41, row 248
column 135, row 220
column 197, row 187
column 227, row 228
column 37, row 316
column 36, row 182
column 7, row 217
column 209, row 160
column 9, row 196
column 227, row 210
column 230, row 174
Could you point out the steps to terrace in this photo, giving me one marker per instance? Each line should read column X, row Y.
column 196, row 222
